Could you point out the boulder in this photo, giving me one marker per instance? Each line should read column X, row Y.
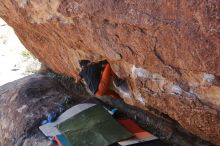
column 23, row 105
column 168, row 51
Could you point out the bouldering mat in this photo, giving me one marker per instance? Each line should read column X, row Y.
column 93, row 127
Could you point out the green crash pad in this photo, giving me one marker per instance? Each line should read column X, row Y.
column 93, row 127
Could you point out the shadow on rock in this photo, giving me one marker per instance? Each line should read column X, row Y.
column 23, row 105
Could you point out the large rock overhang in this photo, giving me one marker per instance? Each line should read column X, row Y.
column 168, row 51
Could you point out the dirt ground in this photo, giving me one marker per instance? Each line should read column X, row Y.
column 15, row 61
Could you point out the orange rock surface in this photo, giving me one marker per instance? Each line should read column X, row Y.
column 167, row 50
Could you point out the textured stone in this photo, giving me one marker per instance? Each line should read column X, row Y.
column 23, row 104
column 210, row 94
column 167, row 50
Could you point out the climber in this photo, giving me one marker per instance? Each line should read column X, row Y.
column 99, row 77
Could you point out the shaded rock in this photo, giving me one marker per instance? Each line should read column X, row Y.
column 160, row 125
column 25, row 102
column 23, row 105
column 37, row 139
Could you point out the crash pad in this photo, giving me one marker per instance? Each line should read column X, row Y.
column 93, row 127
column 140, row 135
column 50, row 129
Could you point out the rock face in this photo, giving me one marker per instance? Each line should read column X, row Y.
column 167, row 50
column 23, row 104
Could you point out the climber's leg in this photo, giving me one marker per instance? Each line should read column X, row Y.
column 105, row 81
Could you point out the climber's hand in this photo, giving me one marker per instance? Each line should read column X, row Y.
column 78, row 80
